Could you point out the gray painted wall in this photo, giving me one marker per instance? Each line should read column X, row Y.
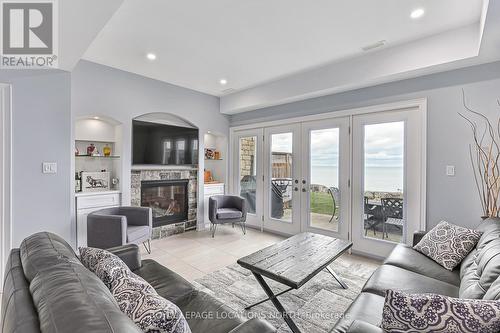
column 41, row 111
column 105, row 91
column 452, row 198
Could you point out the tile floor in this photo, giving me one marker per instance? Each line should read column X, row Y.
column 194, row 254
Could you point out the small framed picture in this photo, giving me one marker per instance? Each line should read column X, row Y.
column 209, row 154
column 95, row 181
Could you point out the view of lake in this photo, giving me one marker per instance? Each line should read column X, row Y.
column 380, row 179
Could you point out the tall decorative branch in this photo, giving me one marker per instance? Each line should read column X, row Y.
column 484, row 152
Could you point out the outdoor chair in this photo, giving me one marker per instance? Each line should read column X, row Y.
column 392, row 212
column 335, row 193
column 373, row 216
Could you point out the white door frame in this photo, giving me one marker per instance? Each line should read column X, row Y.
column 5, row 176
column 419, row 103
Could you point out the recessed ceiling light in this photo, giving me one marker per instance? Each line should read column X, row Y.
column 96, row 118
column 151, row 56
column 417, row 13
column 223, row 82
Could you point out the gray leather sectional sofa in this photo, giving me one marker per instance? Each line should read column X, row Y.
column 47, row 289
column 478, row 277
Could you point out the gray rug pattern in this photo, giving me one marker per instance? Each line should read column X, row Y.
column 315, row 307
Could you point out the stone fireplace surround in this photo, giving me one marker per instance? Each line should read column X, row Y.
column 190, row 174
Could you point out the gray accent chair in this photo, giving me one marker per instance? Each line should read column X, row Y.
column 224, row 209
column 118, row 226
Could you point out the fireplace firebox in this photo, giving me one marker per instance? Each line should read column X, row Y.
column 168, row 200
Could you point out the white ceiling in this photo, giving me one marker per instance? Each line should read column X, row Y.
column 77, row 30
column 198, row 42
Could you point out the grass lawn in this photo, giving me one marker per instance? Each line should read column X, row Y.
column 322, row 203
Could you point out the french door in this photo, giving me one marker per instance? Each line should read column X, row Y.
column 247, row 172
column 282, row 178
column 359, row 177
column 387, row 180
column 298, row 176
column 325, row 177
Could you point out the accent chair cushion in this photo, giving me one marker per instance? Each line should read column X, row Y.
column 135, row 297
column 436, row 313
column 135, row 233
column 229, row 213
column 448, row 244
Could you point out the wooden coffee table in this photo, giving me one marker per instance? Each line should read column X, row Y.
column 293, row 262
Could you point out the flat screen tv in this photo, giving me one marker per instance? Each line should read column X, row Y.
column 161, row 144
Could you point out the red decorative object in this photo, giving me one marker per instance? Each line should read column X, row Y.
column 90, row 149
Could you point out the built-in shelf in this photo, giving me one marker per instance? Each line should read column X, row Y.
column 213, row 159
column 105, row 134
column 90, row 156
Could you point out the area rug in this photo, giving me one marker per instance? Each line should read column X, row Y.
column 315, row 307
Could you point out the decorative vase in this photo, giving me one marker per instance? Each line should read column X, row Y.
column 106, row 150
column 90, row 149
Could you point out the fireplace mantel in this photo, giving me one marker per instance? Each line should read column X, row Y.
column 146, row 167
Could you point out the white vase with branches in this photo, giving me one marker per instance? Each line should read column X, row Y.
column 485, row 158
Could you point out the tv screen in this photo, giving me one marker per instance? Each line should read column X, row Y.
column 161, row 144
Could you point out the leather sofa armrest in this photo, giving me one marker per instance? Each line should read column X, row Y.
column 359, row 326
column 130, row 255
column 254, row 325
column 417, row 236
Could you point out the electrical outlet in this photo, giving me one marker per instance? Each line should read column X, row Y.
column 450, row 170
column 49, row 167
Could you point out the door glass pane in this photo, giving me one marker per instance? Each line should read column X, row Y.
column 383, row 181
column 324, row 199
column 248, row 171
column 281, row 189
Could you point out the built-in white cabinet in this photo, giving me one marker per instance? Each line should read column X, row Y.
column 87, row 203
column 211, row 189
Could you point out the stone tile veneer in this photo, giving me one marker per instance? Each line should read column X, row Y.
column 192, row 175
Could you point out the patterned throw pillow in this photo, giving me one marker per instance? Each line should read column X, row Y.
column 448, row 244
column 135, row 297
column 406, row 313
column 104, row 264
column 151, row 312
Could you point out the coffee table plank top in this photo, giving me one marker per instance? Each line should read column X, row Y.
column 296, row 260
